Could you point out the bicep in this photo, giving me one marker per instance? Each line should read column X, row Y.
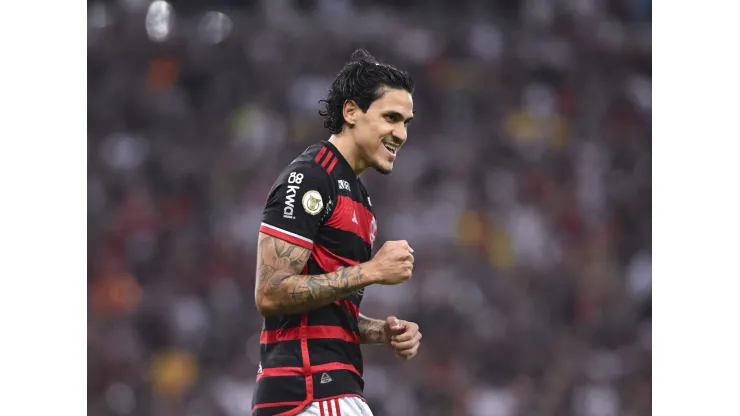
column 298, row 201
column 276, row 260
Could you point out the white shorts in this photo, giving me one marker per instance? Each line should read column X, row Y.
column 343, row 406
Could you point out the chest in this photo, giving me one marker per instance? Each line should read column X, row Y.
column 353, row 211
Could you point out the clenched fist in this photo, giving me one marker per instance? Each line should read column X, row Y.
column 393, row 263
column 404, row 337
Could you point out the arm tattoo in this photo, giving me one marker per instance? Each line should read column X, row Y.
column 279, row 265
column 372, row 331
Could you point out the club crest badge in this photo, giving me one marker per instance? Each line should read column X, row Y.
column 312, row 202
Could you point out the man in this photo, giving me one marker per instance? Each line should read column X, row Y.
column 315, row 252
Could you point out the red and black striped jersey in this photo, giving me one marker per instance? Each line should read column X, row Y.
column 318, row 203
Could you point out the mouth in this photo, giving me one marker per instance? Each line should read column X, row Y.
column 392, row 148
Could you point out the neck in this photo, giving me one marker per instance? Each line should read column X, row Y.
column 346, row 146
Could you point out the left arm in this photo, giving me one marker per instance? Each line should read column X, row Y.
column 372, row 331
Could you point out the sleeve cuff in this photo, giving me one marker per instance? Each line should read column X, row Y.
column 292, row 238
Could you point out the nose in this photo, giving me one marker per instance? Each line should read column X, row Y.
column 400, row 134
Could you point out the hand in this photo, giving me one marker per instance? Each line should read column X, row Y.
column 393, row 263
column 404, row 337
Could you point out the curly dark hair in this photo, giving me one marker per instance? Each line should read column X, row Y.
column 363, row 80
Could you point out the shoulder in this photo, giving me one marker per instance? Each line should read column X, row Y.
column 307, row 172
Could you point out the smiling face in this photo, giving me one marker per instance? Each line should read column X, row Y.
column 380, row 132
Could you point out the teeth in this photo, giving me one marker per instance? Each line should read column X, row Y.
column 390, row 148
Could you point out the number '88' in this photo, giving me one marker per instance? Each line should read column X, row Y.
column 295, row 178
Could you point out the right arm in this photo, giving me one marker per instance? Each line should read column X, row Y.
column 289, row 226
column 281, row 290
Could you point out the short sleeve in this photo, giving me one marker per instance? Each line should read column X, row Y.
column 298, row 201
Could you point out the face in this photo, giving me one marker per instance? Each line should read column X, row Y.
column 380, row 132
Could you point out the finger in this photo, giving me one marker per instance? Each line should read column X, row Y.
column 411, row 250
column 402, row 346
column 413, row 353
column 408, row 354
column 403, row 337
column 395, row 333
column 411, row 258
column 407, row 336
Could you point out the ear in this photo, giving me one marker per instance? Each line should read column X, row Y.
column 350, row 112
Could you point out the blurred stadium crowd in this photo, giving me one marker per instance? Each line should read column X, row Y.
column 525, row 189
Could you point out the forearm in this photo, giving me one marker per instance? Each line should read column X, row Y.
column 296, row 294
column 372, row 331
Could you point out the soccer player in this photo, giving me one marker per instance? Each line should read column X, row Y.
column 315, row 252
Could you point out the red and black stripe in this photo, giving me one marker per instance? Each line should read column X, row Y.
column 326, row 159
column 312, row 332
column 345, row 211
column 297, row 350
